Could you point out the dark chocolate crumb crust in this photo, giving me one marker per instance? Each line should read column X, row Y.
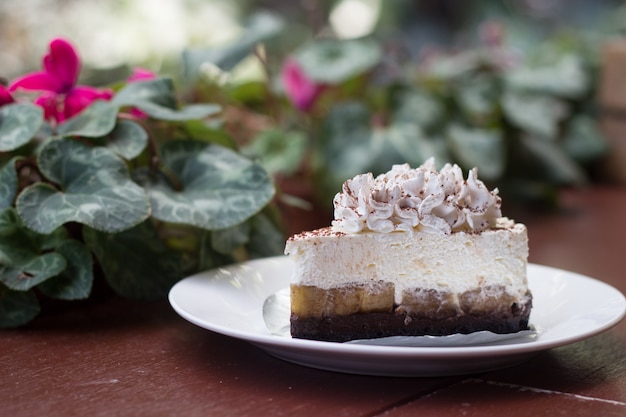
column 342, row 328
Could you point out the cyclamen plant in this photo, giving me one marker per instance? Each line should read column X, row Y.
column 124, row 183
column 527, row 121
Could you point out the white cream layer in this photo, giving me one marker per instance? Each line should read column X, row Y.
column 457, row 262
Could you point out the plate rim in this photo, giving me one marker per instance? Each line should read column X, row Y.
column 273, row 341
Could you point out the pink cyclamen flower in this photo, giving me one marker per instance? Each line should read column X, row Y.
column 5, row 96
column 300, row 89
column 140, row 74
column 61, row 98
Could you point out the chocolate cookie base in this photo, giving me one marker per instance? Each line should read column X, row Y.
column 342, row 328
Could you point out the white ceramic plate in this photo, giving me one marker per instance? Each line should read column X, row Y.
column 567, row 307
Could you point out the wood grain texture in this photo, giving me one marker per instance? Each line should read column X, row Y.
column 116, row 357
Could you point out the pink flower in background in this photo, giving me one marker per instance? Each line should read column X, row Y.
column 5, row 96
column 492, row 34
column 301, row 91
column 140, row 74
column 502, row 57
column 61, row 98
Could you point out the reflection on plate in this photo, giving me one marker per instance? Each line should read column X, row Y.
column 567, row 307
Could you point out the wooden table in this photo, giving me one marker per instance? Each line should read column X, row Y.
column 124, row 358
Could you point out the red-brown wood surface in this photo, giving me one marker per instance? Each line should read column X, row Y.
column 124, row 358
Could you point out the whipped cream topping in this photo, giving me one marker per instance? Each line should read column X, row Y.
column 407, row 200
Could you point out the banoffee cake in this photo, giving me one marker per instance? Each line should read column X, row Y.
column 411, row 252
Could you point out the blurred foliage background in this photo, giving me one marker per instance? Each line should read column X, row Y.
column 154, row 32
column 508, row 86
column 258, row 109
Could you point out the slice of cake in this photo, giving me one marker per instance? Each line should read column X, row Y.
column 411, row 252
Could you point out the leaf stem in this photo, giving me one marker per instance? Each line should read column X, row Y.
column 273, row 106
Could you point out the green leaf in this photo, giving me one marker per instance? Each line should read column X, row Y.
column 95, row 121
column 208, row 257
column 260, row 27
column 478, row 97
column 191, row 112
column 278, row 151
column 583, row 139
column 24, row 257
column 17, row 307
column 19, row 122
column 454, row 67
column 332, row 61
column 25, row 271
column 158, row 91
column 135, row 262
column 536, row 192
column 128, row 139
column 201, row 130
column 566, row 78
column 410, row 106
column 75, row 282
column 480, row 148
column 218, row 187
column 157, row 99
column 265, row 238
column 404, row 143
column 351, row 147
column 96, row 190
column 51, row 240
column 558, row 167
column 8, row 183
column 227, row 240
column 345, row 150
column 247, row 91
column 534, row 113
column 10, row 222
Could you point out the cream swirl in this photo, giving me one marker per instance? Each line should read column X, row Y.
column 406, row 199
